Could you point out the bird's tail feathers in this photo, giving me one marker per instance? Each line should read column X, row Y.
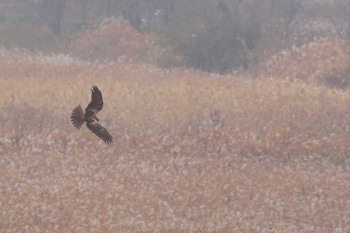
column 77, row 117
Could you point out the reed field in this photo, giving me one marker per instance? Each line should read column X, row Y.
column 262, row 151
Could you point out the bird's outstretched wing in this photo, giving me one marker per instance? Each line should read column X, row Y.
column 77, row 117
column 100, row 131
column 96, row 103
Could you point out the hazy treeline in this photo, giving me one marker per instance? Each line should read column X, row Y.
column 211, row 35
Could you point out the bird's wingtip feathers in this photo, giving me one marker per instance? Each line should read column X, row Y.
column 77, row 117
column 94, row 88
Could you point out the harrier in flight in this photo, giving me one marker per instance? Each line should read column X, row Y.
column 78, row 116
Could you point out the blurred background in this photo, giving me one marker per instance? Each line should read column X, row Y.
column 209, row 35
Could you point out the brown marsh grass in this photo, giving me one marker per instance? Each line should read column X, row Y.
column 193, row 152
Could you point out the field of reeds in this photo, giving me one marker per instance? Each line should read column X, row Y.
column 192, row 152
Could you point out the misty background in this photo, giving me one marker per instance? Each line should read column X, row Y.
column 209, row 35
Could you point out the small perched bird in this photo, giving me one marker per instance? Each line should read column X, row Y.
column 78, row 116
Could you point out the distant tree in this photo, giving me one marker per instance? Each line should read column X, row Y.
column 50, row 12
column 131, row 11
column 286, row 10
column 215, row 37
column 343, row 11
column 56, row 7
column 139, row 12
column 83, row 11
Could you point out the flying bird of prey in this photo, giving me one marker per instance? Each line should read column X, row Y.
column 78, row 116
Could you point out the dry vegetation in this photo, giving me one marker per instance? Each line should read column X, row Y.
column 193, row 152
column 323, row 61
column 113, row 40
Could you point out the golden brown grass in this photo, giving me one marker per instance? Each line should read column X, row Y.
column 193, row 152
column 314, row 62
column 113, row 40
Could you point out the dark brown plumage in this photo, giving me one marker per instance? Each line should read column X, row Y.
column 78, row 116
